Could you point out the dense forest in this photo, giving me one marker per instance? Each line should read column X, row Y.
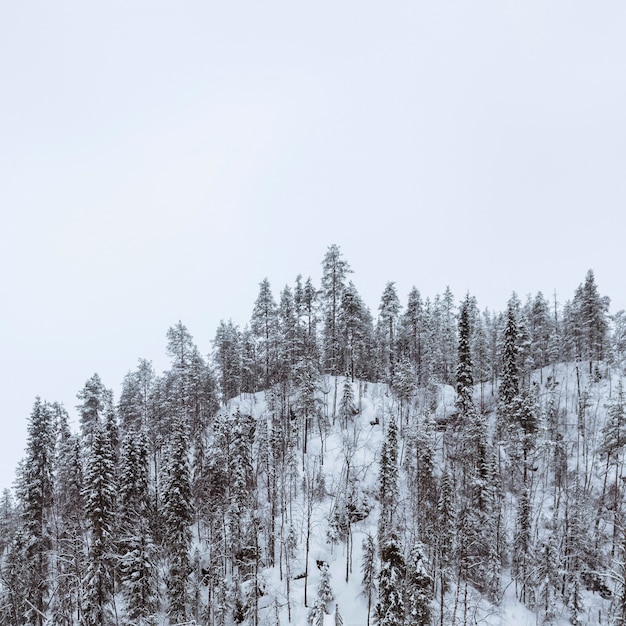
column 432, row 463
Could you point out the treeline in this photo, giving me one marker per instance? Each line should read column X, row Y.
column 166, row 503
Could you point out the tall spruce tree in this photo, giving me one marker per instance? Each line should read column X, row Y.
column 334, row 271
column 390, row 608
column 464, row 375
column 91, row 410
column 264, row 326
column 36, row 495
column 138, row 570
column 100, row 494
column 419, row 588
column 178, row 517
column 389, row 311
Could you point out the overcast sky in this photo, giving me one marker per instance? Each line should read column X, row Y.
column 159, row 159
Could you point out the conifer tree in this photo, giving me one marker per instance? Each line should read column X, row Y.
column 227, row 357
column 355, row 327
column 346, row 405
column 134, row 404
column 547, row 574
column 368, row 570
column 100, row 497
column 92, row 407
column 388, row 481
column 138, row 572
column 338, row 616
column 36, row 494
column 287, row 339
column 178, row 517
column 464, row 375
column 412, row 331
column 264, row 326
column 324, row 590
column 334, row 271
column 509, row 389
column 70, row 525
column 522, row 544
column 390, row 606
column 389, row 310
column 419, row 584
column 446, row 518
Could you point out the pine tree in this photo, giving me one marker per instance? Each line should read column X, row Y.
column 35, row 489
column 464, row 376
column 100, row 497
column 324, row 590
column 419, row 584
column 70, row 532
column 355, row 327
column 338, row 616
column 91, row 410
column 134, row 404
column 227, row 357
column 346, row 405
column 178, row 517
column 509, row 389
column 138, row 572
column 287, row 339
column 412, row 331
column 388, row 480
column 368, row 570
column 390, row 605
column 593, row 310
column 389, row 310
column 405, row 386
column 264, row 326
column 316, row 614
column 547, row 573
column 522, row 544
column 334, row 271
column 446, row 518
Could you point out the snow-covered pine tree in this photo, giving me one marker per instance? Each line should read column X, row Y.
column 388, row 481
column 446, row 519
column 133, row 407
column 324, row 590
column 70, row 523
column 91, row 410
column 227, row 357
column 368, row 570
column 346, row 405
column 419, row 588
column 178, row 517
column 464, row 371
column 355, row 329
column 316, row 614
column 100, row 494
column 264, row 326
column 287, row 340
column 35, row 490
column 334, row 271
column 338, row 616
column 389, row 311
column 548, row 580
column 405, row 386
column 522, row 545
column 390, row 610
column 411, row 331
column 138, row 571
column 509, row 389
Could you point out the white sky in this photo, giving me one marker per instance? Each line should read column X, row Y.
column 159, row 159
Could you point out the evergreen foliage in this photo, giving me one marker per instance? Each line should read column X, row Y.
column 495, row 455
column 390, row 608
